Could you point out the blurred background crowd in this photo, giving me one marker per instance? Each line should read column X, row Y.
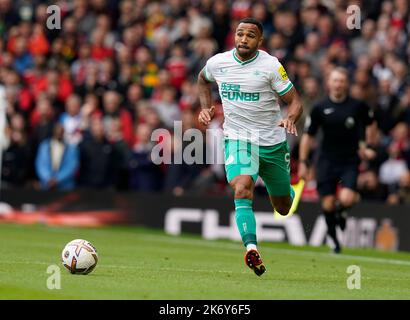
column 83, row 100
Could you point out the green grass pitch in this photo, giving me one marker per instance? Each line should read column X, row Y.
column 137, row 263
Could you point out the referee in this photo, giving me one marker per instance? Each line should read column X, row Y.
column 343, row 121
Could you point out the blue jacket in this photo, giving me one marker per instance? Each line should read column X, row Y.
column 23, row 63
column 65, row 175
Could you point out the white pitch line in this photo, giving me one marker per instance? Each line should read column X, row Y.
column 172, row 269
column 113, row 266
column 160, row 238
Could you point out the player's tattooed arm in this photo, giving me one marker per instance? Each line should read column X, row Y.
column 205, row 98
column 295, row 110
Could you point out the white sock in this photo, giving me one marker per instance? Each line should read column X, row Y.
column 251, row 246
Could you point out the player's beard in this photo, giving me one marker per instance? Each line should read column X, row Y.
column 245, row 53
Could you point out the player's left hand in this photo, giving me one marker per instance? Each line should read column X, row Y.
column 289, row 126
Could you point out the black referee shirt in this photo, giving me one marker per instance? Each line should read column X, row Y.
column 343, row 125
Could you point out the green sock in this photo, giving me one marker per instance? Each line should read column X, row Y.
column 245, row 220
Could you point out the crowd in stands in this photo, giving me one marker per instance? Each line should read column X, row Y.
column 82, row 100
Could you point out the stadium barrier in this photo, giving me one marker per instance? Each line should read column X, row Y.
column 370, row 225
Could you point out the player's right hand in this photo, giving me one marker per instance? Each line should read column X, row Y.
column 289, row 126
column 302, row 170
column 206, row 115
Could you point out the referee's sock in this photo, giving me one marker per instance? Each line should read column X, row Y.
column 246, row 223
column 330, row 217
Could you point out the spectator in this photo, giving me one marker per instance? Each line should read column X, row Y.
column 8, row 14
column 91, row 82
column 365, row 89
column 177, row 65
column 38, row 43
column 145, row 70
column 42, row 120
column 189, row 95
column 19, row 95
column 106, row 76
column 202, row 47
column 152, row 118
column 404, row 191
column 182, row 34
column 124, row 79
column 99, row 50
column 386, row 105
column 95, row 158
column 23, row 59
column 220, row 21
column 72, row 121
column 16, row 154
column 162, row 47
column 57, row 85
column 360, row 45
column 285, row 22
column 133, row 37
column 134, row 95
column 79, row 67
column 85, row 18
column 310, row 93
column 57, row 162
column 144, row 174
column 164, row 81
column 180, row 177
column 112, row 111
column 120, row 155
column 314, row 52
column 404, row 106
column 395, row 169
column 126, row 18
column 167, row 107
column 276, row 46
column 368, row 180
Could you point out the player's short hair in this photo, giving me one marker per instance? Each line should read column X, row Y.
column 252, row 21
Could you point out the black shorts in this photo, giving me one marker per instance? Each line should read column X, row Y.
column 329, row 173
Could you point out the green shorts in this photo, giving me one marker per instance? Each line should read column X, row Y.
column 271, row 163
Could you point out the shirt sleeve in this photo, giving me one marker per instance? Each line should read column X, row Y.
column 280, row 82
column 209, row 70
column 312, row 123
column 366, row 119
column 367, row 114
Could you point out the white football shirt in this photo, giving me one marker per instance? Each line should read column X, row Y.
column 247, row 89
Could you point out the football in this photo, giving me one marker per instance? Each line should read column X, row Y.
column 79, row 256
